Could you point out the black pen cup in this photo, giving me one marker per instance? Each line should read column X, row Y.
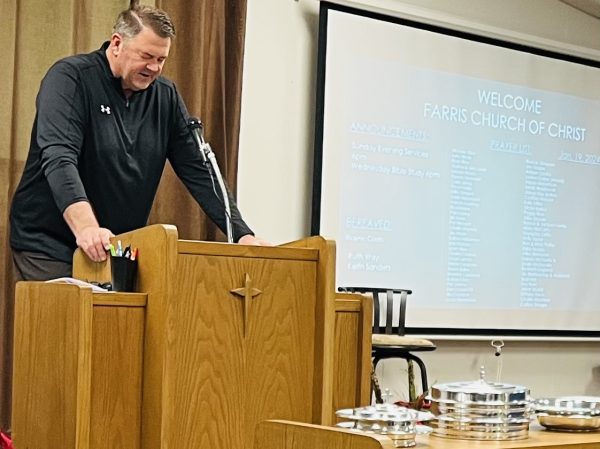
column 123, row 272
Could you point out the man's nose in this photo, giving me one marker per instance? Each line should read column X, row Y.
column 154, row 66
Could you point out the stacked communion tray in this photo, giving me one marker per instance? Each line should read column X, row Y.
column 569, row 413
column 480, row 410
column 400, row 424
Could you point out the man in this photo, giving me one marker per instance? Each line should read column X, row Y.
column 105, row 124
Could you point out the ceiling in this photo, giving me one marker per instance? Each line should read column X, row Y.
column 591, row 7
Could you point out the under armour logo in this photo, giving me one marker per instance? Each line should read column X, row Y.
column 105, row 109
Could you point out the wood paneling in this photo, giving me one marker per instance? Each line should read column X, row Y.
column 352, row 359
column 77, row 367
column 117, row 348
column 51, row 384
column 227, row 372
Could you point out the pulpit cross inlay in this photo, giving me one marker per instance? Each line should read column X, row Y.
column 247, row 292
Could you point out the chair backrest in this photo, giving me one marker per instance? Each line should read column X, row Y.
column 378, row 312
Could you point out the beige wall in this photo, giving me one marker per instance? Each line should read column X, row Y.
column 276, row 141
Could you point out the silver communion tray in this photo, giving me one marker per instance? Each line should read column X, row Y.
column 481, row 410
column 569, row 413
column 400, row 424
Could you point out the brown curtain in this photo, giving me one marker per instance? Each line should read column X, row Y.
column 205, row 63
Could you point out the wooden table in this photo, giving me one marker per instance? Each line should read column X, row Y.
column 295, row 435
column 538, row 439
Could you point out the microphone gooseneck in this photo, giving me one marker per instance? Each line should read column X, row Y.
column 196, row 127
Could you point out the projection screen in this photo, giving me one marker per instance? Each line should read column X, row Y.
column 464, row 168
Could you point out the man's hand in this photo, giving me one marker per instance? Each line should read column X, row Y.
column 89, row 236
column 249, row 239
column 94, row 242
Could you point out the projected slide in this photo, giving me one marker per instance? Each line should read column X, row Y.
column 467, row 172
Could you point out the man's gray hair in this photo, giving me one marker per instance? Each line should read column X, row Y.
column 131, row 21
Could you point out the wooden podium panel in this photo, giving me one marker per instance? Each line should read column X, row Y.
column 75, row 383
column 242, row 344
column 352, row 357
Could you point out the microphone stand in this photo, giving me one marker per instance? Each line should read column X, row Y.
column 213, row 162
column 208, row 154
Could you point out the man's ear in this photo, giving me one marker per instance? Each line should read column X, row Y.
column 116, row 43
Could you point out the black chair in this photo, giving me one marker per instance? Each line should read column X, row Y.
column 389, row 341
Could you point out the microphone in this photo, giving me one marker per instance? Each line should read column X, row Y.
column 196, row 127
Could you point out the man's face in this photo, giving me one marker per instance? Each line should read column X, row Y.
column 139, row 60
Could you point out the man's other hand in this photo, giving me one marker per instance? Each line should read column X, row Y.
column 249, row 239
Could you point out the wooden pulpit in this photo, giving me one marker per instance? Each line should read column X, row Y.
column 226, row 336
